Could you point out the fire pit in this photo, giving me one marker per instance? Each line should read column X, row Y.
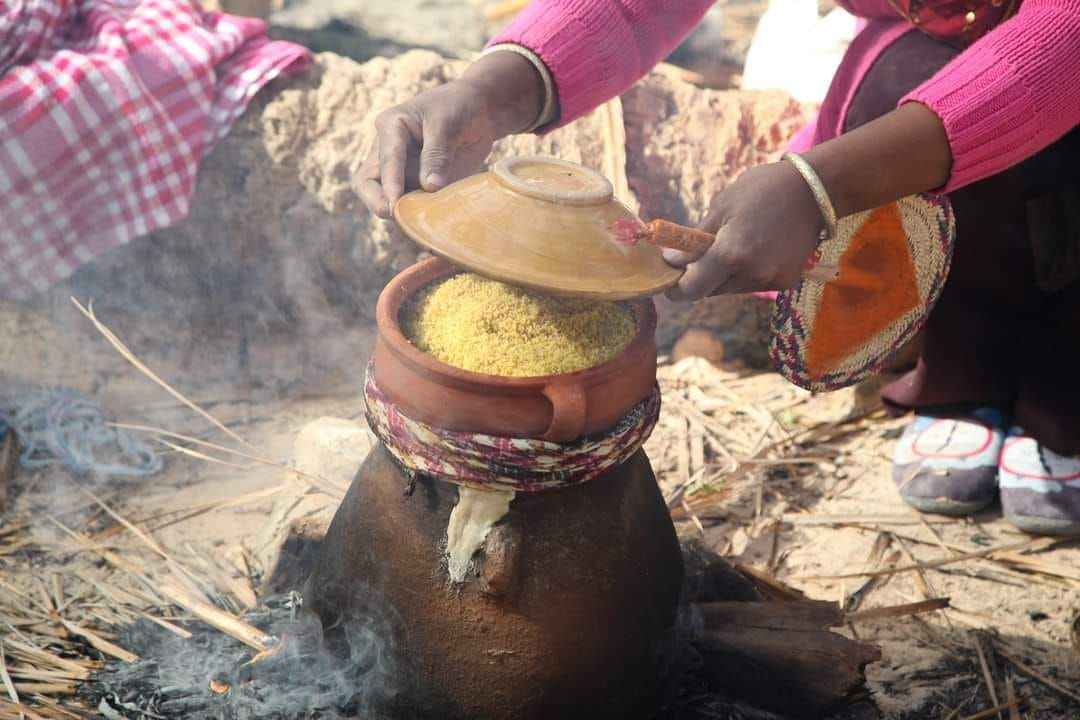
column 567, row 605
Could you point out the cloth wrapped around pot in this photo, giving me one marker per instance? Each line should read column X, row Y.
column 490, row 462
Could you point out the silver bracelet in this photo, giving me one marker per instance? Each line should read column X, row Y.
column 821, row 196
column 548, row 108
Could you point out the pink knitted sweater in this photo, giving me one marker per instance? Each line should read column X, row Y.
column 1012, row 93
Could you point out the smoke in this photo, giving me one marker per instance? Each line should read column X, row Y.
column 210, row 675
column 264, row 326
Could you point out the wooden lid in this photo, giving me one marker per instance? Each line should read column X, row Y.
column 537, row 223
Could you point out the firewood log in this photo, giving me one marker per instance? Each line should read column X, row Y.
column 781, row 655
column 9, row 456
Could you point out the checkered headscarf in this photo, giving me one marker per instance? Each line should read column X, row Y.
column 106, row 109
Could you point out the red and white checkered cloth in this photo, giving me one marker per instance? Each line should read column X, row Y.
column 106, row 109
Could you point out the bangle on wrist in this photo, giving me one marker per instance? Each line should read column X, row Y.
column 817, row 188
column 548, row 107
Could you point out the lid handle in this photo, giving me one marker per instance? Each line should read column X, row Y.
column 552, row 180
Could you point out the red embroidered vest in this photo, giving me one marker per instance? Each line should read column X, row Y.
column 957, row 22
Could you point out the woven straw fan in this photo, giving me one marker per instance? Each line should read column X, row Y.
column 863, row 295
column 892, row 264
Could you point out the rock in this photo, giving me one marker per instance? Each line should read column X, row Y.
column 270, row 283
column 329, row 448
column 697, row 342
column 332, row 449
column 684, row 145
column 499, row 571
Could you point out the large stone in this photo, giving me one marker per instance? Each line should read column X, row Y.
column 331, row 449
column 684, row 145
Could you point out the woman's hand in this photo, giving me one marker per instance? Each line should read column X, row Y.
column 446, row 133
column 766, row 225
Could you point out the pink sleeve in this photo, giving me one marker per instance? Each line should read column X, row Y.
column 597, row 49
column 1012, row 93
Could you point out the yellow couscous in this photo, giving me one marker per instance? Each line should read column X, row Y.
column 484, row 326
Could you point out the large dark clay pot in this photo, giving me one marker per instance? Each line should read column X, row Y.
column 568, row 617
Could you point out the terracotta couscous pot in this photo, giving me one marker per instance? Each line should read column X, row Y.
column 570, row 612
column 559, row 408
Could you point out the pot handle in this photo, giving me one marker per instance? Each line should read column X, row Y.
column 567, row 411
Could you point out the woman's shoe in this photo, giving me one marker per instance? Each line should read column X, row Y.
column 949, row 466
column 1040, row 490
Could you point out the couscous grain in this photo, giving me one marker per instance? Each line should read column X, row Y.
column 484, row 326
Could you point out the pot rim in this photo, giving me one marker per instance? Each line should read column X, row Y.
column 411, row 280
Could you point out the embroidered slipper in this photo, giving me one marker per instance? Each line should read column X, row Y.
column 892, row 262
column 949, row 466
column 1040, row 490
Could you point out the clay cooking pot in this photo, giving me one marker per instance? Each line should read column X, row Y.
column 570, row 606
column 555, row 407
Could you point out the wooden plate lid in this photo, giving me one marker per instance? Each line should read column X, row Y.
column 538, row 223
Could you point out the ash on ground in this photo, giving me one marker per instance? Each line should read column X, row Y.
column 210, row 675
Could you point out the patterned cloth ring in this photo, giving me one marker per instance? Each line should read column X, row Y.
column 492, row 462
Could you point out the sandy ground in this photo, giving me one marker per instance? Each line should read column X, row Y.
column 457, row 28
column 837, row 512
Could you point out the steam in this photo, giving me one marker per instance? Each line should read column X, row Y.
column 258, row 339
